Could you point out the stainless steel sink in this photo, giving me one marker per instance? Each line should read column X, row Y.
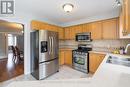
column 119, row 61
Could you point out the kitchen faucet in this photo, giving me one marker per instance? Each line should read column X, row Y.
column 126, row 49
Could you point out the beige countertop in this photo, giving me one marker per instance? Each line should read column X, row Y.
column 65, row 49
column 93, row 51
column 99, row 52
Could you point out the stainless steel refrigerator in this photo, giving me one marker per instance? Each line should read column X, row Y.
column 44, row 53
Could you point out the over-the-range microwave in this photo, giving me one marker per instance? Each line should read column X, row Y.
column 83, row 36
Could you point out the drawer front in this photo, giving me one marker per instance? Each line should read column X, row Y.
column 48, row 68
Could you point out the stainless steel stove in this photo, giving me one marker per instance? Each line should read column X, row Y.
column 80, row 57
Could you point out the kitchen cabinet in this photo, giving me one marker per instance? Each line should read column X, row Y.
column 71, row 31
column 61, row 58
column 65, row 57
column 96, row 30
column 61, row 33
column 85, row 28
column 67, row 33
column 68, row 57
column 38, row 25
column 125, row 18
column 95, row 60
column 78, row 29
column 110, row 29
column 105, row 29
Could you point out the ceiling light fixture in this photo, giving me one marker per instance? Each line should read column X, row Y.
column 68, row 7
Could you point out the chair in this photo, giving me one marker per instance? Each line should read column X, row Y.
column 14, row 53
column 18, row 53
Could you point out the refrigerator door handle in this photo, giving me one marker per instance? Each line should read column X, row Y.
column 49, row 45
column 52, row 45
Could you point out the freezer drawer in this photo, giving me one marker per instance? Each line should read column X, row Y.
column 48, row 68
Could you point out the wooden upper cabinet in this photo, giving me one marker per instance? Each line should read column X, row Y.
column 128, row 16
column 125, row 18
column 38, row 25
column 67, row 33
column 85, row 28
column 75, row 30
column 96, row 30
column 110, row 29
column 71, row 31
column 61, row 33
column 78, row 29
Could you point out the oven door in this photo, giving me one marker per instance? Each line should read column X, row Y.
column 79, row 60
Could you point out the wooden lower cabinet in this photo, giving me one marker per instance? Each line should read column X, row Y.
column 61, row 58
column 68, row 57
column 65, row 57
column 95, row 60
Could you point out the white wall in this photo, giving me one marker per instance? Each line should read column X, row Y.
column 24, row 19
column 3, row 42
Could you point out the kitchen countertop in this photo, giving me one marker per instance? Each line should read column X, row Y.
column 105, row 53
column 99, row 52
column 107, row 75
column 65, row 49
column 94, row 51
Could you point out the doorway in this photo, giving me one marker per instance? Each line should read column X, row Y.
column 11, row 50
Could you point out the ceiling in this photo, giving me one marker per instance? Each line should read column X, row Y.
column 52, row 9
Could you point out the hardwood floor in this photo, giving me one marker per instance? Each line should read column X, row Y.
column 10, row 69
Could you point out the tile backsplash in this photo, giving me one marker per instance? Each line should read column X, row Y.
column 102, row 45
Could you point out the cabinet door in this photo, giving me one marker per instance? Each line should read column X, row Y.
column 126, row 15
column 67, row 33
column 94, row 61
column 96, row 30
column 68, row 58
column 85, row 28
column 74, row 30
column 110, row 29
column 72, row 33
column 61, row 33
column 61, row 58
column 78, row 29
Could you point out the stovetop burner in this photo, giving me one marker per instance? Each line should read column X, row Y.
column 84, row 48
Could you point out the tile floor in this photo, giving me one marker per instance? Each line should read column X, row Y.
column 64, row 73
